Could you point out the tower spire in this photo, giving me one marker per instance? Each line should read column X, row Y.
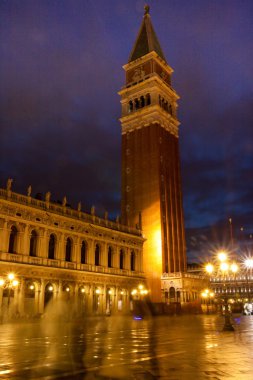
column 146, row 9
column 147, row 40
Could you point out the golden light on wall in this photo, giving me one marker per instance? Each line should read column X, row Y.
column 158, row 245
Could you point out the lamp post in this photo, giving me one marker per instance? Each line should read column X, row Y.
column 9, row 283
column 222, row 267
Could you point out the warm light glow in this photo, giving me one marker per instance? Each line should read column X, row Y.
column 109, row 292
column 15, row 282
column 134, row 291
column 224, row 267
column 121, row 292
column 11, row 276
column 82, row 290
column 50, row 288
column 140, row 286
column 1, row 282
column 67, row 289
column 145, row 291
column 249, row 263
column 234, row 268
column 206, row 293
column 31, row 287
column 209, row 268
column 157, row 244
column 222, row 256
column 97, row 291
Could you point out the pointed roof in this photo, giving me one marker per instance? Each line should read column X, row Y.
column 147, row 40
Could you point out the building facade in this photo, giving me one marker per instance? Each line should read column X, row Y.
column 151, row 181
column 60, row 254
column 183, row 287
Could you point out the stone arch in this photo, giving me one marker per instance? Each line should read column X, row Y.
column 97, row 254
column 30, row 288
column 133, row 261
column 49, row 291
column 13, row 239
column 68, row 249
column 148, row 99
column 121, row 259
column 33, row 243
column 110, row 257
column 97, row 296
column 82, row 300
column 83, row 257
column 52, row 246
column 136, row 103
column 172, row 293
column 110, row 292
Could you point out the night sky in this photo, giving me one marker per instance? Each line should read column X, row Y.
column 60, row 71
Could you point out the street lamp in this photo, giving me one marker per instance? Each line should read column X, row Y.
column 139, row 292
column 222, row 268
column 9, row 283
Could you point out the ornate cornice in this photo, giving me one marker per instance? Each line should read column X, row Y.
column 148, row 116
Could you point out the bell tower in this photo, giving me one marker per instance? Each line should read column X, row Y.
column 151, row 182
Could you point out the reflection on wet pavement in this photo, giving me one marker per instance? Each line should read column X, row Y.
column 180, row 347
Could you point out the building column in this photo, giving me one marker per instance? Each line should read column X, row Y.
column 60, row 247
column 127, row 259
column 103, row 260
column 116, row 299
column 103, row 300
column 21, row 298
column 90, row 300
column 75, row 298
column 15, row 308
column 91, row 253
column 59, row 291
column 4, row 241
column 36, row 299
column 75, row 251
column 41, row 294
column 116, row 253
column 40, row 245
column 24, row 244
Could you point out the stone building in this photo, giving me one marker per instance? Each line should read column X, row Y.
column 57, row 253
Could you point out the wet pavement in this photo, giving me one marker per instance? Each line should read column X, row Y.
column 178, row 347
